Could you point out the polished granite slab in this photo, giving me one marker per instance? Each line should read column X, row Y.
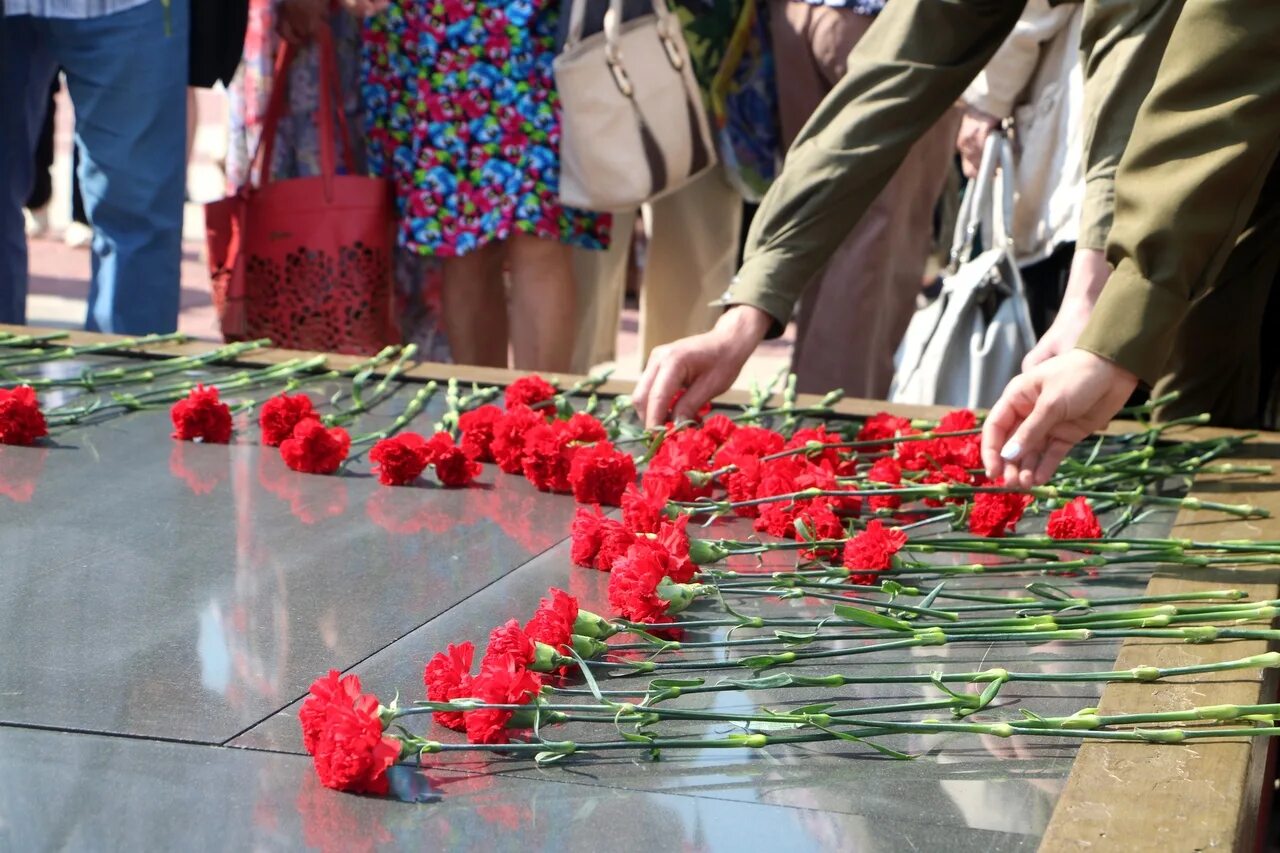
column 91, row 792
column 159, row 590
column 178, row 590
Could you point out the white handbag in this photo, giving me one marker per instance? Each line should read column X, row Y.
column 963, row 348
column 632, row 123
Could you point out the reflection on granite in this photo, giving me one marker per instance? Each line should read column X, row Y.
column 73, row 791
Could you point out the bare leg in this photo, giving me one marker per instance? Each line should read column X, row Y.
column 542, row 303
column 475, row 307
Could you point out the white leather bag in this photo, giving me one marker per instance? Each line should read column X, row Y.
column 632, row 123
column 963, row 348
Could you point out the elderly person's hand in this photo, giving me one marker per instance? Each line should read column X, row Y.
column 702, row 365
column 975, row 127
column 1046, row 410
column 296, row 20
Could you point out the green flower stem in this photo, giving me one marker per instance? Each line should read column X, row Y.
column 660, row 690
column 92, row 380
column 61, row 353
column 411, row 411
column 381, row 392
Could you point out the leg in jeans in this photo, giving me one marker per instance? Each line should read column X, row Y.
column 127, row 77
column 541, row 308
column 26, row 72
column 693, row 250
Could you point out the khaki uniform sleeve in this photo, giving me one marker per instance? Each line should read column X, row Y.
column 1204, row 142
column 1121, row 43
column 911, row 66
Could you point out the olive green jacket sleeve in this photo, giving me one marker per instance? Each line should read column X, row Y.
column 1121, row 43
column 1188, row 184
column 912, row 65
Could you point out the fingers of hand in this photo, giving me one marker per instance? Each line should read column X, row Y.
column 669, row 380
column 1014, row 405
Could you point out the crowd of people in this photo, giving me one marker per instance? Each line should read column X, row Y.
column 1144, row 134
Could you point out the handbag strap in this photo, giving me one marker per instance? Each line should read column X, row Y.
column 668, row 27
column 330, row 100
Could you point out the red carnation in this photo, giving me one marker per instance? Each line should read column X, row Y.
column 599, row 474
column 994, row 513
column 1074, row 520
column 584, row 428
column 698, row 415
column 947, row 474
column 552, row 622
column 313, row 449
column 744, row 483
column 342, row 729
column 884, row 425
column 750, row 441
column 528, row 391
column 885, row 473
column 21, row 421
column 719, row 429
column 510, row 640
column 400, row 459
column 477, row 432
column 502, row 681
column 598, row 541
column 821, row 520
column 281, row 414
column 452, row 465
column 509, row 437
column 201, row 416
column 548, row 456
column 837, row 458
column 957, row 421
column 644, row 509
column 447, row 676
column 871, row 551
column 633, row 585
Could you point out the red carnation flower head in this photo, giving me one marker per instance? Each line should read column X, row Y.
column 872, row 551
column 885, row 473
column 884, row 425
column 820, row 520
column 342, row 729
column 599, row 474
column 615, row 539
column 778, row 518
column 400, row 459
column 447, row 676
column 584, row 428
column 719, row 429
column 201, row 416
column 836, row 458
column 501, row 681
column 744, row 483
column 281, row 414
column 509, row 433
column 698, row 416
column 995, row 513
column 640, row 588
column 528, row 391
column 548, row 457
column 645, row 508
column 452, row 465
column 477, row 432
column 585, row 535
column 750, row 441
column 947, row 474
column 957, row 421
column 552, row 622
column 21, row 421
column 315, row 449
column 1074, row 520
column 510, row 640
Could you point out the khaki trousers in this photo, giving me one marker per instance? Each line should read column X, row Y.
column 692, row 254
column 855, row 312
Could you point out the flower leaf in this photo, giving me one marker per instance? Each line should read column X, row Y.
column 870, row 618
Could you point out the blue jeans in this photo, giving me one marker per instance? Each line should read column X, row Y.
column 127, row 75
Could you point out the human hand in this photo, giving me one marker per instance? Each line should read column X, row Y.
column 366, row 8
column 1044, row 411
column 703, row 365
column 975, row 126
column 297, row 20
column 1089, row 273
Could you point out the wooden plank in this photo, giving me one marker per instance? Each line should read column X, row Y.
column 1205, row 795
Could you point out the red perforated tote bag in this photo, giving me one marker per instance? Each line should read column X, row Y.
column 306, row 262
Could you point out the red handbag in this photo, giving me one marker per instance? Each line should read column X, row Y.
column 306, row 262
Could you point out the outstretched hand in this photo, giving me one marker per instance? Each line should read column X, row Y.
column 703, row 366
column 1046, row 410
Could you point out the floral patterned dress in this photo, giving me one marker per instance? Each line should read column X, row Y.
column 297, row 150
column 463, row 117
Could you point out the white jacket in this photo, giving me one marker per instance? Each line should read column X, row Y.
column 1035, row 78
